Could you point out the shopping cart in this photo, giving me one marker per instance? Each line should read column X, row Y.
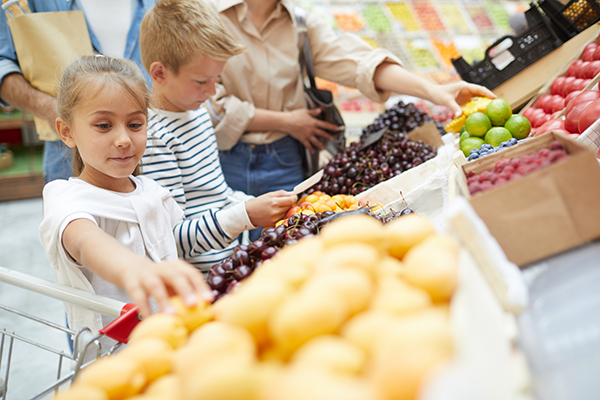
column 87, row 346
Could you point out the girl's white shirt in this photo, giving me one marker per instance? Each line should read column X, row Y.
column 142, row 220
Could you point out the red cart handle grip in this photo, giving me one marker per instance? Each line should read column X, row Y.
column 121, row 328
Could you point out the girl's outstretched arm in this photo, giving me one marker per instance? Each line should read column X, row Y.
column 140, row 277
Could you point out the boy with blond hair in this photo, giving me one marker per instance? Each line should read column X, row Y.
column 184, row 48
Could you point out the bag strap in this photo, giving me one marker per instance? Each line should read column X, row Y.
column 305, row 54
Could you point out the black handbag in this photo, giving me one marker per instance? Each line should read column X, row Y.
column 317, row 98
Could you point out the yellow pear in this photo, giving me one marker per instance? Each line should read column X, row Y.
column 305, row 253
column 119, row 377
column 154, row 354
column 354, row 229
column 364, row 328
column 305, row 384
column 332, row 353
column 79, row 391
column 433, row 266
column 302, row 317
column 405, row 232
column 211, row 341
column 389, row 267
column 399, row 375
column 400, row 298
column 354, row 255
column 353, row 285
column 167, row 387
column 226, row 379
column 194, row 316
column 251, row 307
column 171, row 328
column 430, row 327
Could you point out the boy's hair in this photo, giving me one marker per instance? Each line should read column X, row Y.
column 175, row 31
column 87, row 75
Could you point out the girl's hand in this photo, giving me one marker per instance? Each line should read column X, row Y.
column 269, row 208
column 303, row 125
column 163, row 280
column 455, row 94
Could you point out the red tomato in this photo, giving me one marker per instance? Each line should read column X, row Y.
column 572, row 118
column 558, row 105
column 588, row 95
column 541, row 102
column 591, row 69
column 571, row 95
column 566, row 85
column 597, row 53
column 589, row 115
column 585, row 83
column 588, row 53
column 556, row 87
column 535, row 117
column 575, row 85
column 580, row 70
column 550, row 103
column 573, row 67
column 552, row 124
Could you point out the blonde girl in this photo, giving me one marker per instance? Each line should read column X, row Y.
column 107, row 231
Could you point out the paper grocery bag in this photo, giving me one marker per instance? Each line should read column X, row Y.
column 45, row 44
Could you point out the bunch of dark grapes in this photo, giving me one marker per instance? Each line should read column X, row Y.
column 400, row 118
column 353, row 171
column 224, row 276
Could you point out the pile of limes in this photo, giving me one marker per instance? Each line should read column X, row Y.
column 496, row 125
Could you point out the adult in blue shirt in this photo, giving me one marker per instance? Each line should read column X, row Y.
column 113, row 26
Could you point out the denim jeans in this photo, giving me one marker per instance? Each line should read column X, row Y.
column 58, row 161
column 258, row 169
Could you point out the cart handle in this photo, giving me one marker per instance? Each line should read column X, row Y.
column 78, row 297
column 121, row 327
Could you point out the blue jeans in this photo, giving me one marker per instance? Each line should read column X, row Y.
column 58, row 161
column 258, row 169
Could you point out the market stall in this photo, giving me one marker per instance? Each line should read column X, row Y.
column 431, row 258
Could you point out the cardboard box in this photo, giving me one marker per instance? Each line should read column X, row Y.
column 519, row 89
column 545, row 212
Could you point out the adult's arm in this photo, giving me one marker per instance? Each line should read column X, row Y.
column 16, row 91
column 392, row 77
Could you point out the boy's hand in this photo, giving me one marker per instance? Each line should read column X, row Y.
column 304, row 126
column 455, row 94
column 163, row 280
column 269, row 208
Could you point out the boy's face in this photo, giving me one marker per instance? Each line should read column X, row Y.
column 191, row 87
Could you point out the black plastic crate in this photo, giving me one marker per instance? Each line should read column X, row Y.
column 509, row 55
column 573, row 18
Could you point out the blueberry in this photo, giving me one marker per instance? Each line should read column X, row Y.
column 473, row 151
column 473, row 156
column 504, row 145
column 512, row 141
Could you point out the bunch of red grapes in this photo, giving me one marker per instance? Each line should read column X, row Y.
column 400, row 118
column 508, row 170
column 354, row 170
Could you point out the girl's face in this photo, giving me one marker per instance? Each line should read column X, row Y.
column 109, row 130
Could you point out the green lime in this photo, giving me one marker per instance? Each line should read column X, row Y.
column 464, row 128
column 498, row 111
column 469, row 144
column 518, row 126
column 497, row 135
column 478, row 124
column 464, row 135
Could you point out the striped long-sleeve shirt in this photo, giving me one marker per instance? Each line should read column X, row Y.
column 181, row 154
